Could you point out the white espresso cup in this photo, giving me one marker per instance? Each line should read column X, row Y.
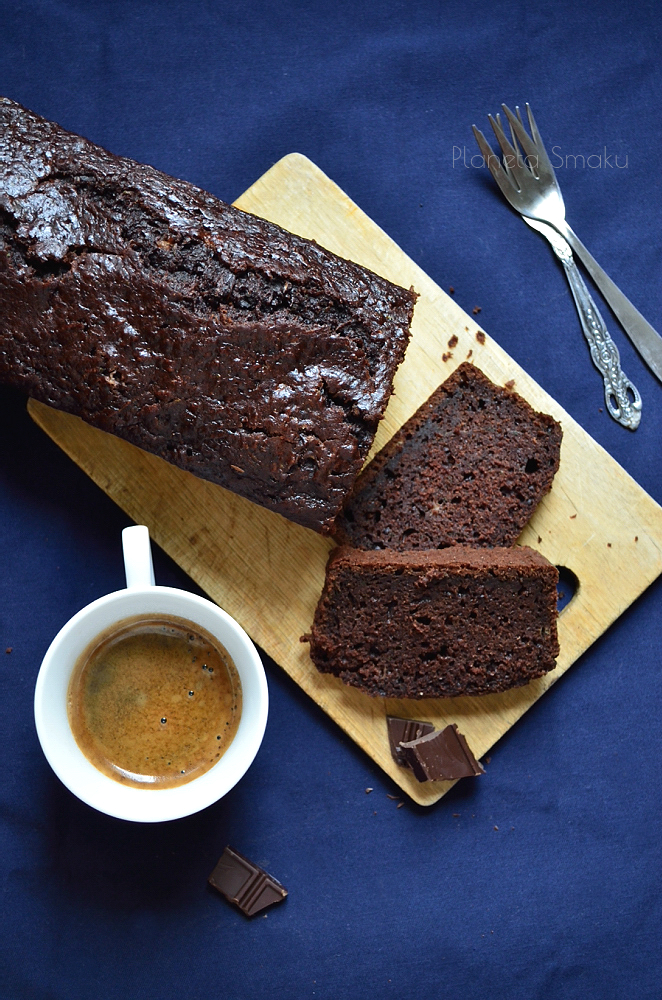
column 143, row 598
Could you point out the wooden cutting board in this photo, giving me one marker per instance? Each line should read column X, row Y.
column 268, row 573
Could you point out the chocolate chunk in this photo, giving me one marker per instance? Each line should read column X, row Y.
column 404, row 731
column 441, row 756
column 244, row 883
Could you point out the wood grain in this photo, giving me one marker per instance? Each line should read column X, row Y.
column 268, row 573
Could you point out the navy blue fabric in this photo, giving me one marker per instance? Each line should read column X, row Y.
column 540, row 879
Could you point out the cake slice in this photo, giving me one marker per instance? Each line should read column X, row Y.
column 436, row 624
column 469, row 467
column 216, row 340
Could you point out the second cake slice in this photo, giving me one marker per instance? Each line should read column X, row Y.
column 469, row 467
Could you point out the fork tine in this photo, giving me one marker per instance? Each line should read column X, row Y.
column 545, row 167
column 534, row 128
column 493, row 163
column 506, row 147
column 531, row 160
column 518, row 128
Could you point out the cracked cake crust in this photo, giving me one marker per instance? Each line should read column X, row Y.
column 212, row 338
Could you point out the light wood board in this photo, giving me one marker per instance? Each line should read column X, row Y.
column 268, row 573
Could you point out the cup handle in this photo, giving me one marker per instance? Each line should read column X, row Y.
column 137, row 556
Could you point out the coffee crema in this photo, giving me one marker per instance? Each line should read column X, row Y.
column 154, row 701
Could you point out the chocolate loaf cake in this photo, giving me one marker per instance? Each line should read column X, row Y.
column 437, row 624
column 469, row 467
column 239, row 352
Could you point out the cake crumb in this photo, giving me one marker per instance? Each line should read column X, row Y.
column 452, row 342
column 446, row 357
column 393, row 797
column 510, row 384
column 9, row 648
column 368, row 790
column 496, row 827
column 572, row 517
column 480, row 336
column 399, row 805
column 608, row 545
column 488, row 760
column 469, row 354
column 457, row 815
column 451, row 290
column 476, row 310
column 539, row 539
column 236, row 468
column 636, row 538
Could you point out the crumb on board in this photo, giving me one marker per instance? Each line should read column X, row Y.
column 608, row 545
column 539, row 539
column 469, row 354
column 446, row 357
column 636, row 538
column 480, row 336
column 452, row 342
column 510, row 384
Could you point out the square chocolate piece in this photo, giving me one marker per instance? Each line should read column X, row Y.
column 245, row 884
column 403, row 731
column 444, row 755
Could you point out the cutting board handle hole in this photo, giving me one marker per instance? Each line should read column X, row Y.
column 567, row 587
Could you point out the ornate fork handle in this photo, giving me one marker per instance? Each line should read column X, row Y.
column 641, row 333
column 604, row 352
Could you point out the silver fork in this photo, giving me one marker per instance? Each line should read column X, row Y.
column 531, row 187
column 621, row 396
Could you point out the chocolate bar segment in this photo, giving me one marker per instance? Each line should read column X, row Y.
column 444, row 755
column 404, row 731
column 245, row 884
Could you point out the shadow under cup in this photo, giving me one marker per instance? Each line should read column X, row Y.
column 147, row 805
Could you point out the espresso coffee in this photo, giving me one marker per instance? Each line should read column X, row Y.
column 154, row 701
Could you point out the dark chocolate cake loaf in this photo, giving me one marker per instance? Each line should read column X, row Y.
column 437, row 624
column 469, row 467
column 242, row 353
